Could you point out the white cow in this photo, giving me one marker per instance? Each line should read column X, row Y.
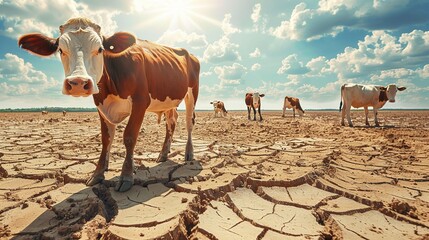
column 219, row 107
column 357, row 95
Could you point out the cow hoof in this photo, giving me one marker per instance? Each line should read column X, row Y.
column 125, row 183
column 189, row 157
column 94, row 179
column 161, row 158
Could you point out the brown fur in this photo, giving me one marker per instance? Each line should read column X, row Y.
column 294, row 102
column 383, row 96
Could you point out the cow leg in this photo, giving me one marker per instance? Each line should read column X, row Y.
column 293, row 112
column 190, row 121
column 375, row 110
column 284, row 111
column 254, row 113
column 366, row 116
column 107, row 136
column 349, row 119
column 248, row 112
column 126, row 180
column 259, row 111
column 343, row 115
column 170, row 125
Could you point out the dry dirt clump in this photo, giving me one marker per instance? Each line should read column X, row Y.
column 282, row 178
column 404, row 208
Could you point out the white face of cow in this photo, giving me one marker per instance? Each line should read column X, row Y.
column 391, row 91
column 81, row 54
column 215, row 104
column 256, row 100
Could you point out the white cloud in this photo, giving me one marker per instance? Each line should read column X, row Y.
column 291, row 65
column 206, row 74
column 19, row 17
column 377, row 52
column 18, row 77
column 256, row 67
column 255, row 53
column 230, row 75
column 222, row 50
column 256, row 13
column 317, row 65
column 417, row 43
column 331, row 17
column 177, row 37
column 227, row 27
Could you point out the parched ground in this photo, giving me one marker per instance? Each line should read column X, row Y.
column 282, row 178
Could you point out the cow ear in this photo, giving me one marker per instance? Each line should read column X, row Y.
column 119, row 42
column 261, row 95
column 401, row 88
column 383, row 88
column 38, row 44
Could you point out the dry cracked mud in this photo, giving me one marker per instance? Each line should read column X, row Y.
column 283, row 178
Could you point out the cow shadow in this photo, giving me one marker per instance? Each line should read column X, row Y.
column 375, row 127
column 66, row 219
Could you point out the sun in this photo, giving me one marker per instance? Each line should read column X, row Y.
column 179, row 14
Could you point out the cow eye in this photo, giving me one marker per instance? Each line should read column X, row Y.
column 60, row 51
column 100, row 50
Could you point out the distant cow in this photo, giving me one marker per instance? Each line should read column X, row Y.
column 292, row 102
column 219, row 107
column 127, row 77
column 356, row 95
column 44, row 112
column 253, row 100
column 64, row 113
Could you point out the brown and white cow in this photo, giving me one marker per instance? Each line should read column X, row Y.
column 357, row 95
column 44, row 112
column 64, row 113
column 219, row 107
column 292, row 102
column 253, row 100
column 127, row 78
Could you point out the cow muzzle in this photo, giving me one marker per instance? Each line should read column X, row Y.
column 79, row 87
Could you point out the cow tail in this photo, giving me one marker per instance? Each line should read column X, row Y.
column 341, row 100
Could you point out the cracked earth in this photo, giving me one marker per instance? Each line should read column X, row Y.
column 283, row 178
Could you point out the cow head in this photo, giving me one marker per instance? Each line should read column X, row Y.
column 389, row 93
column 214, row 104
column 81, row 47
column 257, row 99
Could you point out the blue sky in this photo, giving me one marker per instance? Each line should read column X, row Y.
column 306, row 49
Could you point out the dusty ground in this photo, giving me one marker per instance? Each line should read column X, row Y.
column 283, row 178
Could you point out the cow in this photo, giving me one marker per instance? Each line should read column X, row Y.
column 64, row 113
column 127, row 77
column 219, row 107
column 253, row 100
column 357, row 95
column 292, row 102
column 44, row 112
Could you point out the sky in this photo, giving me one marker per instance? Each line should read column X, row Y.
column 301, row 48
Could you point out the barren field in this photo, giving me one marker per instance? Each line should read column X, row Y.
column 282, row 178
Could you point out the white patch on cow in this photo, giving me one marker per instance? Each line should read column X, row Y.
column 80, row 56
column 162, row 106
column 256, row 100
column 115, row 109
